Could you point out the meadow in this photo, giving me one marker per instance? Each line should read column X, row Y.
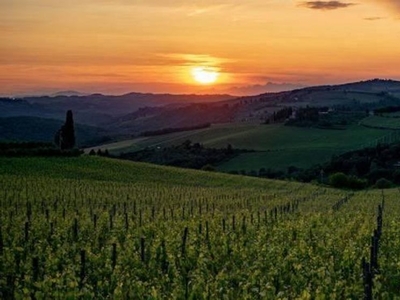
column 277, row 146
column 389, row 121
column 92, row 227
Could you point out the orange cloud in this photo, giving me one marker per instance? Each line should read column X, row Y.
column 326, row 5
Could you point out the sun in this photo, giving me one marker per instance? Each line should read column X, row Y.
column 205, row 75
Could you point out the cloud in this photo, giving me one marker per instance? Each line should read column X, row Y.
column 170, row 3
column 373, row 18
column 193, row 59
column 326, row 5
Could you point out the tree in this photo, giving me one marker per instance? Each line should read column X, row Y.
column 186, row 144
column 383, row 183
column 229, row 149
column 65, row 136
column 338, row 180
column 208, row 167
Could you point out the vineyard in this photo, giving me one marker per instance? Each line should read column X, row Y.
column 95, row 228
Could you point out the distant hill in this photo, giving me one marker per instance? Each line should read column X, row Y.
column 131, row 114
column 269, row 87
column 361, row 95
column 96, row 109
column 19, row 107
column 43, row 130
column 153, row 118
column 68, row 94
column 374, row 85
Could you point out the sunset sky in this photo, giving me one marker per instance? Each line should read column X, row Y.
column 119, row 46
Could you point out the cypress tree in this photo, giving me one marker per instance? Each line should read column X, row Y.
column 65, row 137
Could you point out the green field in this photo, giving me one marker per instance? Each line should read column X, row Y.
column 392, row 115
column 96, row 228
column 385, row 122
column 208, row 136
column 278, row 146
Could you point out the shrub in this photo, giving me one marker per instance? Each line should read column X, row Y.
column 341, row 180
column 252, row 173
column 383, row 183
column 396, row 176
column 338, row 180
column 209, row 168
column 356, row 183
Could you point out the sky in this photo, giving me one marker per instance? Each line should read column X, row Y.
column 120, row 46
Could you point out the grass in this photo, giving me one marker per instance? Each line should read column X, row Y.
column 382, row 122
column 392, row 115
column 278, row 146
column 206, row 136
column 105, row 169
column 303, row 147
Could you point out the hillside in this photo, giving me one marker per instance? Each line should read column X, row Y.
column 90, row 227
column 130, row 115
column 119, row 171
column 43, row 130
column 96, row 109
column 105, row 107
column 235, row 121
column 344, row 125
column 254, row 109
column 277, row 146
column 148, row 119
column 374, row 85
column 358, row 96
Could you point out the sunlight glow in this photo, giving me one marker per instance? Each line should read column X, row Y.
column 205, row 75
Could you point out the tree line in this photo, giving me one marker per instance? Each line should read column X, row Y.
column 376, row 167
column 174, row 129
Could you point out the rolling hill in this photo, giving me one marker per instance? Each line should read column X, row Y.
column 276, row 146
column 136, row 112
column 236, row 121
